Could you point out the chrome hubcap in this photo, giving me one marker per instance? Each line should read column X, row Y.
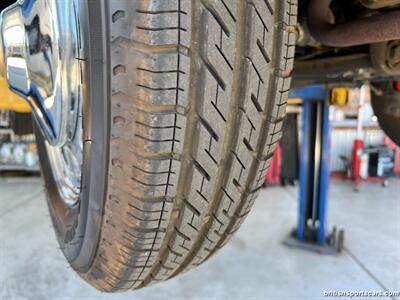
column 41, row 42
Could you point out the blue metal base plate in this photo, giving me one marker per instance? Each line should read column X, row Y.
column 293, row 242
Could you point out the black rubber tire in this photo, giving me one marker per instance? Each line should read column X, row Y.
column 185, row 101
column 387, row 109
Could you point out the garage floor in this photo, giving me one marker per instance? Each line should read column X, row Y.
column 254, row 265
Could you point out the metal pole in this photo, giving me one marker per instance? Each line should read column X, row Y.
column 303, row 170
column 364, row 95
column 324, row 174
column 317, row 160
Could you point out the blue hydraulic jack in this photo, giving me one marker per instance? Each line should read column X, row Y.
column 311, row 232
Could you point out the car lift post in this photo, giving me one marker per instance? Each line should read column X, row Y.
column 314, row 173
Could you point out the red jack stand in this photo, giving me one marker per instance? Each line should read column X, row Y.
column 358, row 147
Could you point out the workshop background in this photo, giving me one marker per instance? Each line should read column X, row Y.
column 284, row 250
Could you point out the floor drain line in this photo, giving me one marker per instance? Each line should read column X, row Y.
column 364, row 267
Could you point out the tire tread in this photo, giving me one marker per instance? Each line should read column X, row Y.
column 198, row 101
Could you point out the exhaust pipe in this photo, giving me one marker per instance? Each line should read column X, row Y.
column 369, row 30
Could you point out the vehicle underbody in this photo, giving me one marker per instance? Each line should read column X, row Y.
column 353, row 42
column 348, row 40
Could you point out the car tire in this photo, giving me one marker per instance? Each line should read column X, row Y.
column 184, row 104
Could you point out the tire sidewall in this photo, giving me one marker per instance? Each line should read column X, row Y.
column 78, row 228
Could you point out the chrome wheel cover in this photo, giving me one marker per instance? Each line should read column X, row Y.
column 66, row 159
column 44, row 61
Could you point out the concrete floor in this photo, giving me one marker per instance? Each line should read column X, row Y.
column 254, row 265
